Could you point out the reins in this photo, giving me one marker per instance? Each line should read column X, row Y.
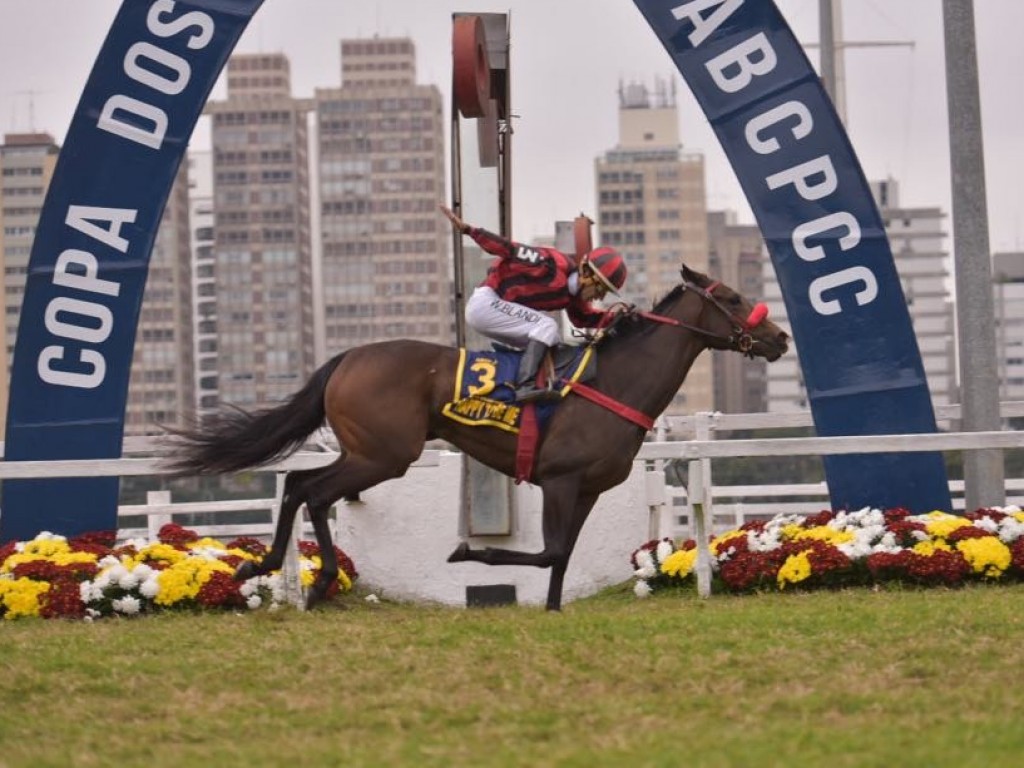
column 741, row 338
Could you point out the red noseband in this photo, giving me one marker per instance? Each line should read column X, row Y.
column 757, row 315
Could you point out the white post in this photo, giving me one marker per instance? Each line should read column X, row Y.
column 155, row 522
column 704, row 426
column 695, row 492
column 290, row 568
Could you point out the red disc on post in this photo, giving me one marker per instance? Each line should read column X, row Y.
column 471, row 70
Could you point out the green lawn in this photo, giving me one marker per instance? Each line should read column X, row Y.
column 851, row 678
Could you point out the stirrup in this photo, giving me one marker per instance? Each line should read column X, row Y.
column 529, row 393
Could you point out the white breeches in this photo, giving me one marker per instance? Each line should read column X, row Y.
column 507, row 321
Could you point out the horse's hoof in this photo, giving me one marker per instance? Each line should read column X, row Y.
column 461, row 554
column 245, row 571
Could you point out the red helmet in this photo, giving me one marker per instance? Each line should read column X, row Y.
column 609, row 267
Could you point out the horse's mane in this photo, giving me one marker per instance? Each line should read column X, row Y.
column 632, row 326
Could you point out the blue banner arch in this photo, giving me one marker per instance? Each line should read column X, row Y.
column 90, row 258
column 860, row 358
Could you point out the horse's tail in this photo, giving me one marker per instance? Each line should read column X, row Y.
column 235, row 440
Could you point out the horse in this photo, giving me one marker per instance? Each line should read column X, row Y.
column 384, row 400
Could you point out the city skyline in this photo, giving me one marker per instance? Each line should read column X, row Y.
column 561, row 72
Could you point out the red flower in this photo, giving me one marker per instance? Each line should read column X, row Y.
column 62, row 600
column 221, row 591
column 176, row 536
column 248, row 544
column 822, row 518
column 312, row 549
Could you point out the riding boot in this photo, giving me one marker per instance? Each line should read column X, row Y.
column 526, row 378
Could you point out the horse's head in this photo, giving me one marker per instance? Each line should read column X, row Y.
column 731, row 321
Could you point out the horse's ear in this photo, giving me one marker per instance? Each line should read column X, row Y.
column 690, row 275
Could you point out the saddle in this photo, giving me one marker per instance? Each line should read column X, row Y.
column 485, row 384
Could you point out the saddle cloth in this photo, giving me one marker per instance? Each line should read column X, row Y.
column 485, row 386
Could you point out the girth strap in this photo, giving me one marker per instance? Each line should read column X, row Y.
column 623, row 410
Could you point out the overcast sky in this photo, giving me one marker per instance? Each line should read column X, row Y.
column 568, row 58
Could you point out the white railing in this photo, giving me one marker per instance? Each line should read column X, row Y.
column 706, row 505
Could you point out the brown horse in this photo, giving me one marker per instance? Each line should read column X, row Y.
column 383, row 401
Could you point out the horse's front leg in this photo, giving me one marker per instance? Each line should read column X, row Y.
column 563, row 516
column 565, row 530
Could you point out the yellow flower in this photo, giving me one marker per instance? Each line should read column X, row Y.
column 987, row 555
column 826, row 534
column 159, row 551
column 929, row 547
column 941, row 524
column 206, row 542
column 790, row 532
column 679, row 563
column 722, row 542
column 58, row 556
column 20, row 597
column 184, row 579
column 796, row 568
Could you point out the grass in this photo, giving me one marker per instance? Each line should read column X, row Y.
column 851, row 678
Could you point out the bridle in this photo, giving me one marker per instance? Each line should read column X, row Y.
column 741, row 339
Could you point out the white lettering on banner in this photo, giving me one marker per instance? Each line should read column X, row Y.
column 813, row 179
column 79, row 320
column 703, row 26
column 754, row 56
column 91, row 359
column 801, row 176
column 839, row 219
column 848, row 276
column 773, row 116
column 136, row 120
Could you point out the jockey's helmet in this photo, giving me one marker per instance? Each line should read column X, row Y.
column 608, row 266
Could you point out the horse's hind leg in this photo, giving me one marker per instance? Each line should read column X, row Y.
column 343, row 478
column 328, row 575
column 290, row 503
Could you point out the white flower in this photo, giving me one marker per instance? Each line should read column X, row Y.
column 107, row 561
column 142, row 572
column 644, row 559
column 254, row 602
column 128, row 580
column 647, row 572
column 372, row 598
column 128, row 605
column 641, row 589
column 116, row 573
column 248, row 588
column 151, row 586
column 664, row 549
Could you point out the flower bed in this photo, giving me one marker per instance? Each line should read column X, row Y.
column 832, row 549
column 90, row 576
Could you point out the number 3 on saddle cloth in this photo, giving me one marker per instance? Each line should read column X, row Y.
column 484, row 395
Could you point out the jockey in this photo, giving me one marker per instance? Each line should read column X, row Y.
column 523, row 279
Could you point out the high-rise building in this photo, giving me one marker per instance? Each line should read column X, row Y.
column 1008, row 302
column 651, row 207
column 736, row 258
column 161, row 389
column 204, row 282
column 262, row 252
column 917, row 238
column 27, row 161
column 384, row 248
